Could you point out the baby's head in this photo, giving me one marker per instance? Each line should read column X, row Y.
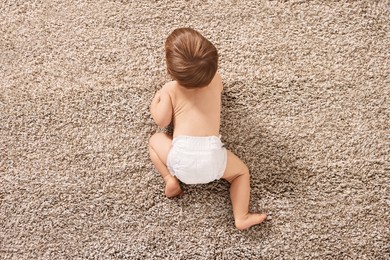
column 192, row 60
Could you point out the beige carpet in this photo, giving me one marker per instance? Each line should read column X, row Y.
column 306, row 106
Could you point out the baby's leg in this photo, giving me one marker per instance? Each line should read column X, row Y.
column 237, row 174
column 159, row 146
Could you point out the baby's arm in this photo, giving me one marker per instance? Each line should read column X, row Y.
column 161, row 108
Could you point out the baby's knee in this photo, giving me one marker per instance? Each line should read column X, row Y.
column 245, row 171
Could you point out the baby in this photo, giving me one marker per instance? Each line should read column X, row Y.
column 195, row 153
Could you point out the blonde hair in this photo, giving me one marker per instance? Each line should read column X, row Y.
column 191, row 59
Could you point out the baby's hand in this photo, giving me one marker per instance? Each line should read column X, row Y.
column 161, row 108
column 165, row 88
column 161, row 92
column 157, row 96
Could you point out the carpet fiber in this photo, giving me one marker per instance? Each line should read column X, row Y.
column 306, row 106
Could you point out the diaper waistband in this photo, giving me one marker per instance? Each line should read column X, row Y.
column 197, row 142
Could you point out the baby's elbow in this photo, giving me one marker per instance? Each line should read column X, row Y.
column 163, row 123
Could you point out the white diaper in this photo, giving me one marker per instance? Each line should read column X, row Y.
column 196, row 160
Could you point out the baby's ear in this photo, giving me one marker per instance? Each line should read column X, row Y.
column 219, row 80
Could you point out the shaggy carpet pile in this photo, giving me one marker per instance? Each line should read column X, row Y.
column 306, row 105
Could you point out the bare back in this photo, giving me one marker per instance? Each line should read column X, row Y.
column 196, row 112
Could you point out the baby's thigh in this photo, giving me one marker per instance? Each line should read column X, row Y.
column 234, row 167
column 161, row 144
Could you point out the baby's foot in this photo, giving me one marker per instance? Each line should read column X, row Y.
column 172, row 187
column 250, row 220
